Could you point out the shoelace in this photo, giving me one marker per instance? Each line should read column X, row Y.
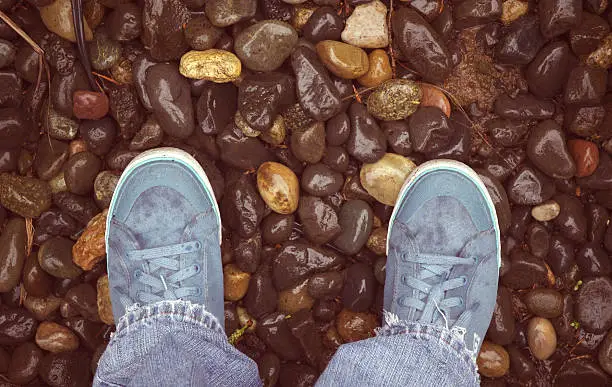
column 434, row 265
column 164, row 287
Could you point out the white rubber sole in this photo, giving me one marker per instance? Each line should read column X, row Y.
column 453, row 165
column 169, row 154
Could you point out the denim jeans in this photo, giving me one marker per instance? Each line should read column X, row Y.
column 176, row 343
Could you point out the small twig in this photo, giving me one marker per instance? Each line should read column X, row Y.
column 42, row 63
column 106, row 78
column 79, row 31
column 390, row 33
column 30, row 235
column 357, row 96
column 357, row 93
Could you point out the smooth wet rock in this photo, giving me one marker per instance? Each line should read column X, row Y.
column 12, row 253
column 14, row 128
column 200, row 34
column 163, row 22
column 326, row 285
column 530, row 186
column 80, row 172
column 575, row 371
column 523, row 106
column 546, row 211
column 294, row 299
column 586, row 156
column 323, row 24
column 430, row 130
column 279, row 187
column 297, row 260
column 51, row 156
column 525, row 271
column 104, row 187
column 343, row 60
column 308, row 144
column 585, row 121
column 501, row 328
column 235, row 282
column 394, row 100
column 546, row 74
column 24, row 363
column 261, row 97
column 379, row 69
column 559, row 16
column 319, row 220
column 274, row 331
column 585, row 86
column 99, row 135
column 90, row 248
column 473, row 12
column 240, row 151
column 521, row 42
column 65, row 369
column 367, row 27
column 265, row 45
column 170, row 97
column 215, row 108
column 90, row 105
column 384, row 178
column 605, row 354
column 493, row 360
column 541, row 337
column 500, row 199
column 55, row 257
column 16, row 326
column 57, row 17
column 126, row 109
column 587, row 36
column 56, row 338
column 215, row 65
column 321, row 180
column 223, row 13
column 366, row 141
column 547, row 303
column 601, row 179
column 242, row 207
column 356, row 219
column 547, row 149
column 359, row 288
column 261, row 297
column 104, row 52
column 593, row 261
column 354, row 326
column 421, row 45
column 25, row 196
column 149, row 136
column 593, row 306
column 571, row 221
column 277, row 228
column 316, row 92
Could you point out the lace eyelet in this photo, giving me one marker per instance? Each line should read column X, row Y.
column 196, row 268
column 464, row 278
column 198, row 245
column 404, row 279
column 461, row 304
column 137, row 274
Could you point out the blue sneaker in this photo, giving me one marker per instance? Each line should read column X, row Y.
column 444, row 252
column 163, row 234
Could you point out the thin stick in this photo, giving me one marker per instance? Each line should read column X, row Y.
column 79, row 30
column 390, row 33
column 107, row 78
column 42, row 63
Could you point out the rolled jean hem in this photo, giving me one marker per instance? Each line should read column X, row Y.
column 175, row 310
column 451, row 339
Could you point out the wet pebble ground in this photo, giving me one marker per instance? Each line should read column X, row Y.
column 307, row 117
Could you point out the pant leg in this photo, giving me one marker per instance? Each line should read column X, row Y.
column 173, row 343
column 404, row 354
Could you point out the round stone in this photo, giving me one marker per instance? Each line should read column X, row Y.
column 343, row 60
column 385, row 178
column 264, row 46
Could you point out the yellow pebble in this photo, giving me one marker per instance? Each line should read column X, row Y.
column 219, row 66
